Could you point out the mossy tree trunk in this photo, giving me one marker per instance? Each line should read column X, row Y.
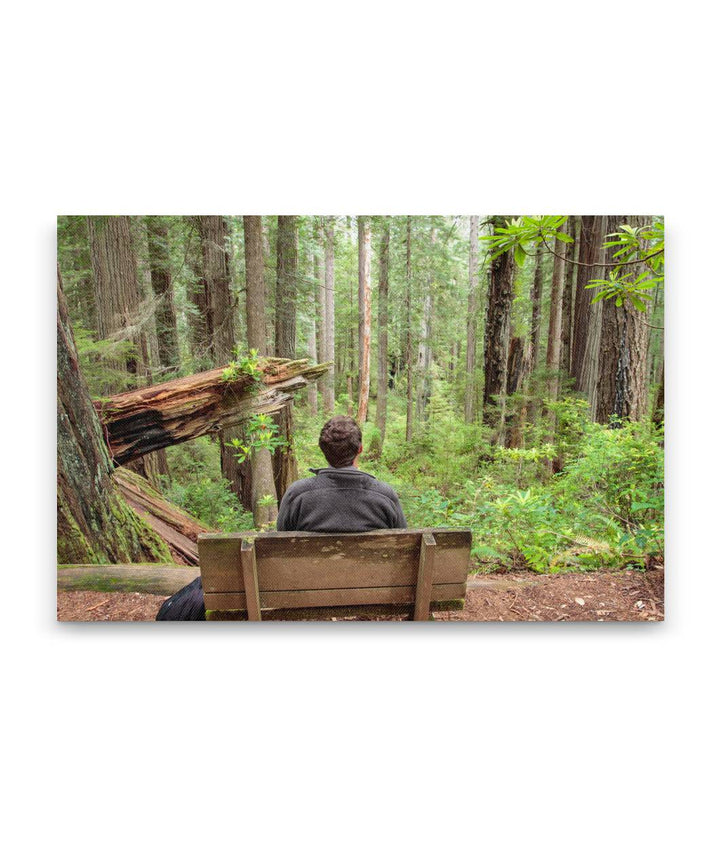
column 95, row 524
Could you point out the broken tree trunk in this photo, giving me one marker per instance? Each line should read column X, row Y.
column 176, row 527
column 143, row 420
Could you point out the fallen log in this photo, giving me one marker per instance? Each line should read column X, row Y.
column 147, row 579
column 154, row 417
column 176, row 527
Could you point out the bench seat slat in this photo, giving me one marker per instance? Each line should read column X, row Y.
column 333, row 597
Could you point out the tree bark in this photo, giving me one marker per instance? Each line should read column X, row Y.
column 497, row 338
column 621, row 389
column 329, row 355
column 162, row 286
column 94, row 523
column 567, row 297
column 408, row 331
column 261, row 471
column 590, row 254
column 471, row 348
column 286, row 289
column 221, row 323
column 382, row 387
column 552, row 357
column 364, row 306
column 142, row 420
column 284, row 461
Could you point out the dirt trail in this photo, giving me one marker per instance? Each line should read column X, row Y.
column 601, row 596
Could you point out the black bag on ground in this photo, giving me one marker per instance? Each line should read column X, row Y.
column 186, row 605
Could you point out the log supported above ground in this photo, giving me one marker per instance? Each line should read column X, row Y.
column 154, row 417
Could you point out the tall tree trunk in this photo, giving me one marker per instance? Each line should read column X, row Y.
column 497, row 338
column 590, row 254
column 162, row 286
column 120, row 311
column 567, row 297
column 364, row 318
column 94, row 523
column 552, row 357
column 221, row 311
column 382, row 387
column 320, row 307
column 284, row 462
column 588, row 379
column 470, row 352
column 260, row 478
column 286, row 293
column 621, row 389
column 536, row 294
column 408, row 331
column 197, row 297
column 329, row 385
column 117, row 295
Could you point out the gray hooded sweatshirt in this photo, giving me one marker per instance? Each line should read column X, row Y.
column 340, row 500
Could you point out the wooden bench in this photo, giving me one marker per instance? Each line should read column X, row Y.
column 291, row 575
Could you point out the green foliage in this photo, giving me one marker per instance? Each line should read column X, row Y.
column 260, row 432
column 522, row 234
column 246, row 364
column 103, row 363
column 198, row 487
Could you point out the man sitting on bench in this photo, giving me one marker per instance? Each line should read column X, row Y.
column 338, row 498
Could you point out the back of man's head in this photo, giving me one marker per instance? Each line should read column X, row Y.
column 340, row 441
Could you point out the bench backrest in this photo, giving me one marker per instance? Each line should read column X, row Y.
column 342, row 573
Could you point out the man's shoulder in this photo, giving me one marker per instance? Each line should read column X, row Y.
column 300, row 486
column 383, row 488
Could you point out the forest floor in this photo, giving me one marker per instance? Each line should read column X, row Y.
column 596, row 596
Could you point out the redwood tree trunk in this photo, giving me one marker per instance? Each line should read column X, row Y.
column 162, row 286
column 284, row 462
column 382, row 388
column 408, row 331
column 221, row 326
column 497, row 337
column 329, row 356
column 363, row 318
column 470, row 353
column 261, row 482
column 94, row 524
column 590, row 254
column 552, row 357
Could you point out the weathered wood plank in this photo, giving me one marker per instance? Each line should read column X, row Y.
column 148, row 579
column 332, row 597
column 301, row 561
column 426, row 567
column 325, row 613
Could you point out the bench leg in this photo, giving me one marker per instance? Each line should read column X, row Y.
column 423, row 591
column 250, row 579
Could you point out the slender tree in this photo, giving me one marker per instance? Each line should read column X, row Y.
column 284, row 462
column 364, row 297
column 567, row 297
column 221, row 311
column 162, row 286
column 383, row 289
column 263, row 484
column 329, row 354
column 408, row 330
column 286, row 292
column 471, row 348
column 590, row 254
column 552, row 355
column 497, row 338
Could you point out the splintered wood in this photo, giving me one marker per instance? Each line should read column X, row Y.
column 154, row 417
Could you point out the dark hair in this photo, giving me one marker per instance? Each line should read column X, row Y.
column 340, row 441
